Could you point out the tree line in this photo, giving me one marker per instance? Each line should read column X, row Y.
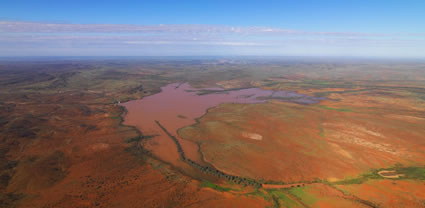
column 208, row 169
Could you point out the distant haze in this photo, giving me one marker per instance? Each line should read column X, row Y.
column 210, row 28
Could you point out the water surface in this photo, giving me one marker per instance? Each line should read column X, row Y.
column 178, row 105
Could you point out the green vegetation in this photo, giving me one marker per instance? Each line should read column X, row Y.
column 134, row 139
column 300, row 192
column 415, row 173
column 216, row 187
column 278, row 197
column 182, row 116
column 318, row 82
column 361, row 179
column 281, row 199
column 138, row 138
column 208, row 169
column 412, row 172
column 322, row 131
column 335, row 109
column 49, row 101
column 259, row 193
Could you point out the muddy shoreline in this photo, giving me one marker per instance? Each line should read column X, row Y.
column 178, row 105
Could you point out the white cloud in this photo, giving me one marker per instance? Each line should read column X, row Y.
column 28, row 37
column 36, row 27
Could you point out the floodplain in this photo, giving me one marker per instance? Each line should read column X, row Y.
column 228, row 132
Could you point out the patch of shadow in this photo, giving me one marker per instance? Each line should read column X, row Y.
column 7, row 164
column 112, row 74
column 25, row 127
column 10, row 200
column 182, row 116
column 6, row 170
column 26, row 78
column 136, row 89
column 3, row 121
column 85, row 110
column 40, row 172
column 7, row 107
column 61, row 80
column 4, row 180
column 88, row 127
column 139, row 138
column 22, row 129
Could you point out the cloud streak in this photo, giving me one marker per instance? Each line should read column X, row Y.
column 33, row 38
column 35, row 27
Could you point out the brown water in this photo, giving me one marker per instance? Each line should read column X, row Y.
column 178, row 105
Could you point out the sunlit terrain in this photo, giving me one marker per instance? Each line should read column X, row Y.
column 213, row 103
column 261, row 134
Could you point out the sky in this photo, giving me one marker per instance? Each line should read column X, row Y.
column 363, row 28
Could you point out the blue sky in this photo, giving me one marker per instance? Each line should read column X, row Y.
column 386, row 28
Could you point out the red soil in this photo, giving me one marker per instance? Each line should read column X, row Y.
column 95, row 170
column 390, row 193
column 177, row 106
column 303, row 142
